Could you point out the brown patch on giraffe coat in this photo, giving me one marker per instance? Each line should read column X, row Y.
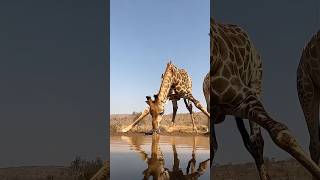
column 242, row 39
column 314, row 51
column 238, row 29
column 224, row 37
column 237, row 57
column 226, row 72
column 214, row 65
column 237, row 99
column 178, row 88
column 220, row 84
column 229, row 43
column 231, row 56
column 248, row 47
column 231, row 67
column 232, row 31
column 214, row 51
column 235, row 81
column 179, row 76
column 229, row 95
column 222, row 48
column 242, row 52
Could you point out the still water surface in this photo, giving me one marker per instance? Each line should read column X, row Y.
column 159, row 157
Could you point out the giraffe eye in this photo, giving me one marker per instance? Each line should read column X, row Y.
column 161, row 113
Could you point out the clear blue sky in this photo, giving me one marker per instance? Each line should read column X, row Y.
column 144, row 34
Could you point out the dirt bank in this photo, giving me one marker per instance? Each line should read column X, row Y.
column 183, row 125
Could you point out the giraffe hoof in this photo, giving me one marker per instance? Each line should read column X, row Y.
column 124, row 130
column 172, row 124
column 171, row 128
column 148, row 133
column 152, row 132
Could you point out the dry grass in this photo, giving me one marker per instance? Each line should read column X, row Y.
column 278, row 170
column 36, row 173
column 83, row 170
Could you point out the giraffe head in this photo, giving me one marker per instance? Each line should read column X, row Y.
column 156, row 108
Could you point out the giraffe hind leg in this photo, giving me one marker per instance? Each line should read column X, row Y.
column 213, row 143
column 198, row 104
column 254, row 144
column 309, row 100
column 251, row 108
column 189, row 107
column 213, row 138
column 174, row 111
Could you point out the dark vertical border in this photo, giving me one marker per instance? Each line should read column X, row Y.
column 211, row 8
column 107, row 65
column 211, row 124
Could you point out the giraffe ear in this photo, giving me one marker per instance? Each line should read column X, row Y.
column 148, row 101
column 155, row 97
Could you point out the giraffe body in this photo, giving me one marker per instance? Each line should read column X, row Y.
column 308, row 85
column 235, row 79
column 175, row 84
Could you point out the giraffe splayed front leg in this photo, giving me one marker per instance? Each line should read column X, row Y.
column 189, row 107
column 144, row 114
column 174, row 113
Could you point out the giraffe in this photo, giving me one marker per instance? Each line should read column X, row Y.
column 235, row 79
column 156, row 162
column 175, row 84
column 174, row 99
column 308, row 86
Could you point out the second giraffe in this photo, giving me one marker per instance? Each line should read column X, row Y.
column 235, row 76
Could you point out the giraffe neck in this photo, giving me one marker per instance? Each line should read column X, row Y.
column 166, row 83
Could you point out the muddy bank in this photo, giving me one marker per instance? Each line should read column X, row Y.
column 175, row 133
column 183, row 125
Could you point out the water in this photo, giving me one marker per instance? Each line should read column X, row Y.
column 159, row 157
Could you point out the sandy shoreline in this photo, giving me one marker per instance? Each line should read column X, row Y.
column 183, row 125
column 174, row 133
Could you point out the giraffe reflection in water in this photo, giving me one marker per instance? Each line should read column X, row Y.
column 157, row 168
